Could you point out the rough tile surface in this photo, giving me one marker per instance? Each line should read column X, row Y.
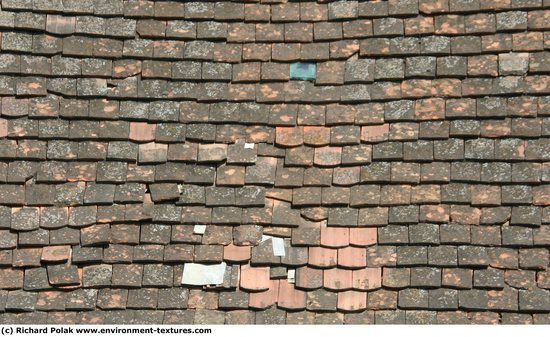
column 403, row 178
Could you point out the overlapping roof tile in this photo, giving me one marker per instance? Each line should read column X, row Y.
column 271, row 162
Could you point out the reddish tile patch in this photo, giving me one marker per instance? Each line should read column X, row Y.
column 335, row 237
column 255, row 278
column 337, row 279
column 363, row 236
column 56, row 253
column 265, row 299
column 375, row 133
column 351, row 301
column 417, row 159
column 352, row 257
column 290, row 298
column 236, row 253
column 323, row 257
column 142, row 132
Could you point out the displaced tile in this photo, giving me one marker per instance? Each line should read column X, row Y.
column 254, row 278
column 197, row 274
column 290, row 298
column 56, row 253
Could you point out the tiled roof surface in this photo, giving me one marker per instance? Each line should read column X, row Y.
column 409, row 182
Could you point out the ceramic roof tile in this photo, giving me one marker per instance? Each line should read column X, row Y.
column 265, row 299
column 337, row 279
column 322, row 257
column 254, row 279
column 352, row 257
column 236, row 253
column 352, row 301
column 119, row 150
column 289, row 297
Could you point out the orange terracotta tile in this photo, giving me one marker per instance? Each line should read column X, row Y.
column 56, row 253
column 363, row 236
column 142, row 131
column 335, row 237
column 322, row 257
column 236, row 253
column 352, row 300
column 254, row 278
column 375, row 133
column 265, row 299
column 352, row 257
column 337, row 279
column 290, row 298
column 367, row 278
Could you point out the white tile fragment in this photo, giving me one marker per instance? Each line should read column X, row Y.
column 278, row 246
column 203, row 274
column 291, row 276
column 248, row 145
column 199, row 229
